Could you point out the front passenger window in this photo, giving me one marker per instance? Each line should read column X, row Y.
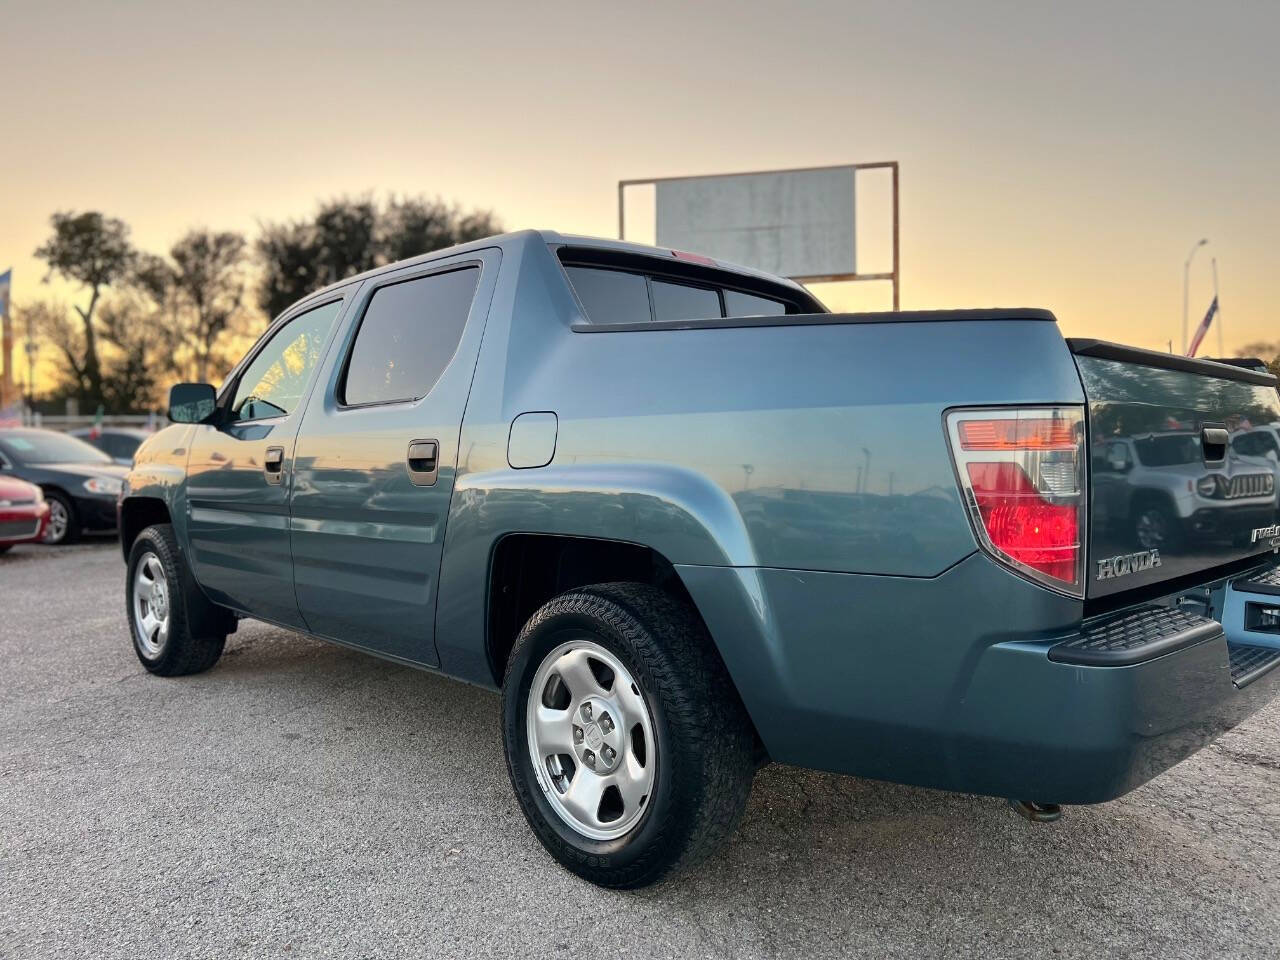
column 273, row 384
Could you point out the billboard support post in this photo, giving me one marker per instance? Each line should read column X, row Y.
column 894, row 275
column 896, row 268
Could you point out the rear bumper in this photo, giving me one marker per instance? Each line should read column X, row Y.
column 1087, row 734
column 947, row 682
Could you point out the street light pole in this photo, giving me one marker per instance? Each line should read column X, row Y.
column 1186, row 287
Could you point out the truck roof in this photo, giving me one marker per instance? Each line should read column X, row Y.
column 553, row 238
column 517, row 238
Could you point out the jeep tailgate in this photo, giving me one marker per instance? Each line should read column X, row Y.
column 1182, row 478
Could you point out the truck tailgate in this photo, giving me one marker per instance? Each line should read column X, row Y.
column 1184, row 465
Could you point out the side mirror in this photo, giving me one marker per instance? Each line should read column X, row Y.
column 192, row 402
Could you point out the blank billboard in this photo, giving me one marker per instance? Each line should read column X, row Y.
column 791, row 223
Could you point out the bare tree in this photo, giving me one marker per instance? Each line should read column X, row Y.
column 127, row 325
column 206, row 284
column 94, row 251
column 52, row 322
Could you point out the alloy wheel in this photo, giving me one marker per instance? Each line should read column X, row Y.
column 591, row 739
column 150, row 605
column 59, row 521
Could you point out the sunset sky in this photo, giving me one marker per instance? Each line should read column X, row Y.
column 1056, row 155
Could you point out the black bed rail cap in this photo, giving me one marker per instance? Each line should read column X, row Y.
column 1105, row 350
column 829, row 319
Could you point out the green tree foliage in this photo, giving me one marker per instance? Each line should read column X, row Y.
column 349, row 235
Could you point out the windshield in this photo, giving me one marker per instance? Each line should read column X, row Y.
column 50, row 448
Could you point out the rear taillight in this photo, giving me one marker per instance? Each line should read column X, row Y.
column 1021, row 475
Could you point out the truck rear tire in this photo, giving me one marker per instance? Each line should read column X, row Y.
column 628, row 747
column 175, row 629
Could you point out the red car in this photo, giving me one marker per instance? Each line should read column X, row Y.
column 23, row 512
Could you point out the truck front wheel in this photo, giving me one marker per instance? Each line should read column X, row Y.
column 176, row 630
column 628, row 747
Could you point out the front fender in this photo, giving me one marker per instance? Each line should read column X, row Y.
column 160, row 472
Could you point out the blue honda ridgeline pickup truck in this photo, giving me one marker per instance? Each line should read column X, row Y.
column 688, row 522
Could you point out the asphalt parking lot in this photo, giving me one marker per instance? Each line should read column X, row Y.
column 303, row 800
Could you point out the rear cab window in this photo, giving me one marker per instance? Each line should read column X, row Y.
column 618, row 287
column 613, row 296
column 739, row 304
column 680, row 301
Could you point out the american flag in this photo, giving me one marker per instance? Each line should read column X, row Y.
column 1201, row 330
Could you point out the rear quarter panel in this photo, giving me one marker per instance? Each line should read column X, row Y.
column 799, row 447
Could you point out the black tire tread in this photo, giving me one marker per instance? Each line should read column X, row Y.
column 682, row 671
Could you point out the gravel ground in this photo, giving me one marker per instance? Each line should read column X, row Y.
column 304, row 800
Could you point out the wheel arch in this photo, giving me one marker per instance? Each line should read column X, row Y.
column 138, row 513
column 49, row 488
column 528, row 569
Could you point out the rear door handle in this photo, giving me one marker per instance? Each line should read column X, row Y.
column 273, row 464
column 423, row 461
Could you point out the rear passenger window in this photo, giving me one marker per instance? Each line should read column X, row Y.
column 409, row 333
column 611, row 296
column 738, row 304
column 677, row 301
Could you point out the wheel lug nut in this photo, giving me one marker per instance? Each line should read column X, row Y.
column 588, row 758
column 609, row 754
column 606, row 722
column 586, row 710
column 577, row 734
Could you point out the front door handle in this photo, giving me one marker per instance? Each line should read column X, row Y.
column 273, row 464
column 422, row 461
